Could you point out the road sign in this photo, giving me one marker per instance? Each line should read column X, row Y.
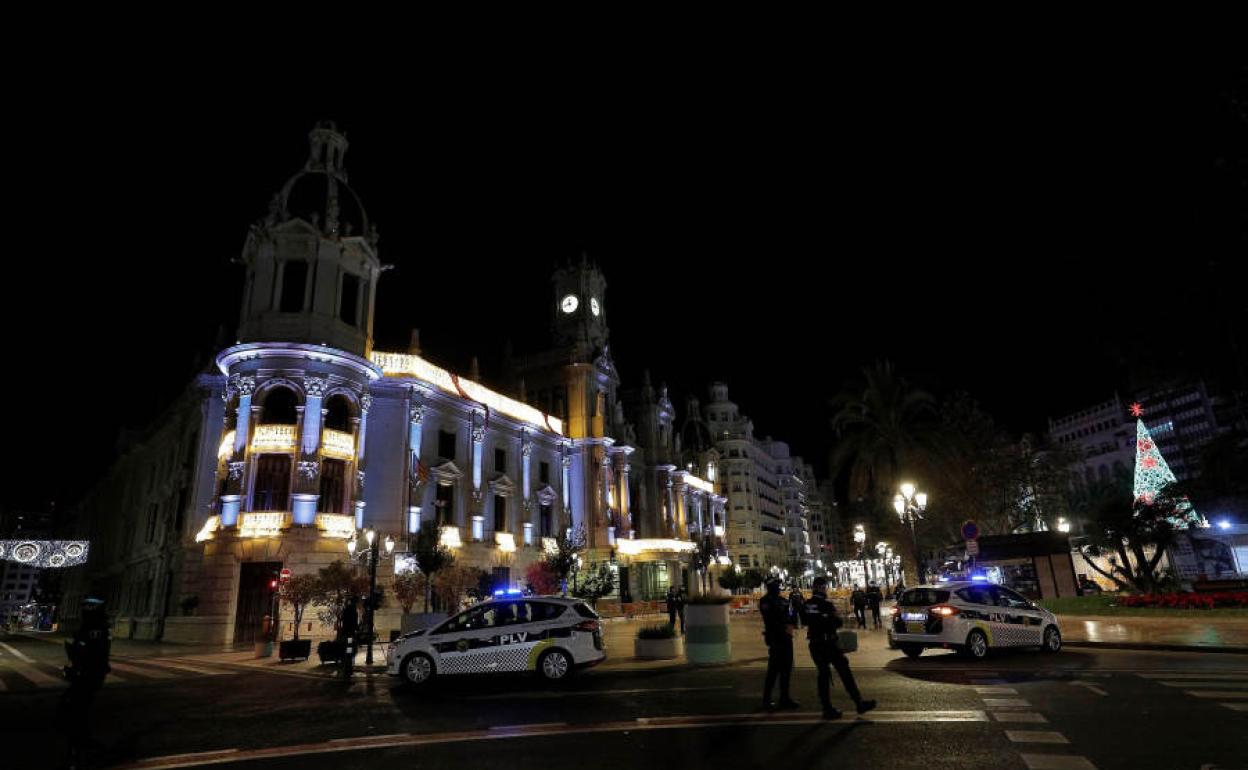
column 970, row 530
column 284, row 575
column 972, row 548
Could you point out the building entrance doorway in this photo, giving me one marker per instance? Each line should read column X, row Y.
column 255, row 598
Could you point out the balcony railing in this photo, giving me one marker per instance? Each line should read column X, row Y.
column 275, row 438
column 335, row 443
column 336, row 525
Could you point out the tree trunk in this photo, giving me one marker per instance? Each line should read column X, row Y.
column 1143, row 570
column 1121, row 585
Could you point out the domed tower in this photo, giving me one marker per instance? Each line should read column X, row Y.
column 312, row 264
column 291, row 464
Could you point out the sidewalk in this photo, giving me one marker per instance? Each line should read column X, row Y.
column 1174, row 634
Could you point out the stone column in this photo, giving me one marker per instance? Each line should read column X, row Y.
column 478, row 440
column 314, row 391
column 626, row 511
column 415, row 430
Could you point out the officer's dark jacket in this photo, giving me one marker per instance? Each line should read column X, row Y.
column 874, row 596
column 776, row 615
column 858, row 598
column 88, row 651
column 822, row 619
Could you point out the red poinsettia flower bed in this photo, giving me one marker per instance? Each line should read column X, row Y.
column 1187, row 601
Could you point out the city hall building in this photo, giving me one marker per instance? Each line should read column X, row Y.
column 303, row 436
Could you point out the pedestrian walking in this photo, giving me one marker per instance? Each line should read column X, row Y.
column 681, row 601
column 859, row 601
column 88, row 652
column 348, row 635
column 874, row 598
column 822, row 621
column 779, row 626
column 671, row 599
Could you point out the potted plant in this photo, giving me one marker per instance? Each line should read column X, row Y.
column 706, row 629
column 659, row 642
column 298, row 592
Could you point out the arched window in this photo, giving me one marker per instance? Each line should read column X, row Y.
column 338, row 413
column 279, row 407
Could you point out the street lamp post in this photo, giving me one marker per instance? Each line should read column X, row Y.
column 860, row 537
column 372, row 554
column 910, row 505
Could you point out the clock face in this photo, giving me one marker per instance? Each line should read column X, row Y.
column 593, row 306
column 569, row 303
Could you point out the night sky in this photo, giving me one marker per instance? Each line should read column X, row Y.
column 1037, row 236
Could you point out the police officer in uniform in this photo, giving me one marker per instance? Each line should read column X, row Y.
column 779, row 622
column 348, row 636
column 87, row 651
column 822, row 621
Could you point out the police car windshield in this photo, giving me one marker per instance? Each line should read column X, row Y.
column 923, row 597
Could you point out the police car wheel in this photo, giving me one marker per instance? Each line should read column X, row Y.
column 912, row 650
column 554, row 665
column 1052, row 640
column 976, row 645
column 417, row 669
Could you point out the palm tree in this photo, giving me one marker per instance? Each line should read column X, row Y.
column 884, row 428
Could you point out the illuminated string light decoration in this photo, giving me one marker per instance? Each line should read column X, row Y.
column 45, row 553
column 1152, row 473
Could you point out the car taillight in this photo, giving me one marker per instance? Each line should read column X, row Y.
column 587, row 625
column 944, row 610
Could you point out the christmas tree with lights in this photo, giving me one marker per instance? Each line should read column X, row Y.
column 1152, row 474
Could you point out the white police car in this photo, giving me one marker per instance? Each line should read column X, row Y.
column 971, row 617
column 549, row 635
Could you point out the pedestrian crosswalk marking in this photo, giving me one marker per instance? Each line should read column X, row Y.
column 33, row 674
column 1227, row 685
column 151, row 673
column 1035, row 736
column 1056, row 762
column 184, row 667
column 1236, row 706
column 1005, row 703
column 1018, row 716
column 996, row 691
column 1216, row 694
column 17, row 653
column 1207, row 675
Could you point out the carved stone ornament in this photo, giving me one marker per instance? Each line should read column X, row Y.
column 366, row 402
column 245, row 385
column 236, row 470
column 567, row 461
column 308, row 469
column 478, row 433
column 359, row 476
column 416, row 413
column 526, row 449
column 315, row 386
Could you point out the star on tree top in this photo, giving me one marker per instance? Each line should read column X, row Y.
column 1137, row 410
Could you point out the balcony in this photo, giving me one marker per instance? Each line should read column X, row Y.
column 263, row 523
column 275, row 438
column 337, row 444
column 336, row 525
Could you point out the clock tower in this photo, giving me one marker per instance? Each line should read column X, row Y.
column 579, row 312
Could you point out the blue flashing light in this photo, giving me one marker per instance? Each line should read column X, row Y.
column 979, row 578
column 507, row 592
column 1224, row 524
column 942, row 579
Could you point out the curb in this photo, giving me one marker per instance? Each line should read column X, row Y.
column 1145, row 647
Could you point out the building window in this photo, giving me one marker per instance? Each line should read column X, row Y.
column 500, row 513
column 348, row 308
column 544, row 516
column 272, row 490
column 294, row 286
column 338, row 413
column 446, row 445
column 333, row 486
column 279, row 407
column 500, row 460
column 444, row 502
column 543, row 473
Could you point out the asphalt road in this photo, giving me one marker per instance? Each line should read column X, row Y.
column 1081, row 708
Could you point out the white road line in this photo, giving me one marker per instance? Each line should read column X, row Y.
column 37, row 677
column 362, row 738
column 569, row 693
column 193, row 754
column 1188, row 675
column 531, row 726
column 1227, row 685
column 1006, row 703
column 1035, row 736
column 1056, row 762
column 996, row 691
column 151, row 673
column 1018, row 716
column 19, row 655
column 1236, row 706
column 1216, row 694
column 989, row 681
column 1090, row 688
